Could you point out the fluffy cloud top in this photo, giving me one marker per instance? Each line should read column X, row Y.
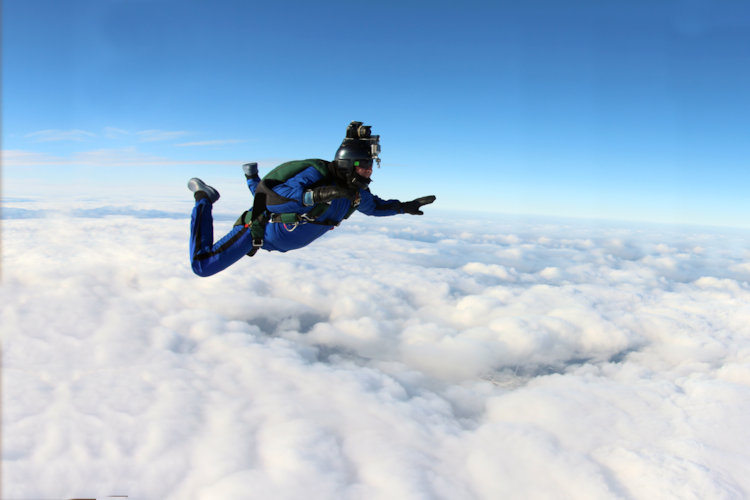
column 395, row 358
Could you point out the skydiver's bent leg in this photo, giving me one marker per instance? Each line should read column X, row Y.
column 251, row 175
column 252, row 183
column 206, row 257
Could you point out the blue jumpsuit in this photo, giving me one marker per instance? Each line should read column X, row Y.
column 208, row 258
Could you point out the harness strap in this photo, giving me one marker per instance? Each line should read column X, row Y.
column 312, row 216
column 257, row 223
column 257, row 218
column 293, row 219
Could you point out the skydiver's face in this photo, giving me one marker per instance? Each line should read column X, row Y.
column 363, row 168
column 364, row 172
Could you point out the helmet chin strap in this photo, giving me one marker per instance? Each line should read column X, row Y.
column 359, row 181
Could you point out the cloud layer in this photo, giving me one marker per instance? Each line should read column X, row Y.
column 396, row 358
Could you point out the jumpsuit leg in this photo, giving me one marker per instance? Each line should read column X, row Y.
column 206, row 257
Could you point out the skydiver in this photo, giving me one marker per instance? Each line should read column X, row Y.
column 294, row 204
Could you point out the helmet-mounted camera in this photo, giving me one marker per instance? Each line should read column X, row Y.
column 356, row 130
column 359, row 132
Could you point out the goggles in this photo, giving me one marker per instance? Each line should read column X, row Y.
column 365, row 164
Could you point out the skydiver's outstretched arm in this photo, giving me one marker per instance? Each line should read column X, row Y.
column 413, row 207
column 371, row 204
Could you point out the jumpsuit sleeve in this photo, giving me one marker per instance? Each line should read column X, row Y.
column 292, row 190
column 375, row 206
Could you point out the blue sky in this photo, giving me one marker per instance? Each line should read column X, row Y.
column 627, row 110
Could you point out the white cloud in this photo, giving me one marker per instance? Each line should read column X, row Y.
column 155, row 135
column 160, row 135
column 54, row 135
column 105, row 157
column 390, row 359
column 20, row 158
column 116, row 157
column 115, row 133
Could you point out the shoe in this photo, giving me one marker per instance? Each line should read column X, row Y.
column 198, row 186
column 250, row 169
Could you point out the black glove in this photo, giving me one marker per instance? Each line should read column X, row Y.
column 413, row 207
column 324, row 194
